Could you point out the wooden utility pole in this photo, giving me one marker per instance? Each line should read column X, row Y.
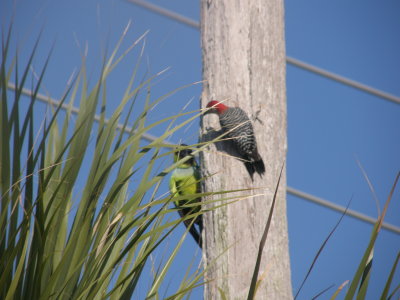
column 244, row 63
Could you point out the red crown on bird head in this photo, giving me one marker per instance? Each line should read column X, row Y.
column 216, row 107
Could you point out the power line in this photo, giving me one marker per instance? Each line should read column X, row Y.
column 339, row 208
column 289, row 190
column 75, row 110
column 342, row 79
column 290, row 60
column 167, row 13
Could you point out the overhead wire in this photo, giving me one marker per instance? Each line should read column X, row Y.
column 167, row 13
column 289, row 190
column 341, row 79
column 290, row 60
column 75, row 110
column 339, row 208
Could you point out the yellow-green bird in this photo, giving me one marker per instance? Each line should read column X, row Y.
column 185, row 180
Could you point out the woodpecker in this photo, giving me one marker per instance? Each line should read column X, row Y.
column 237, row 124
column 185, row 181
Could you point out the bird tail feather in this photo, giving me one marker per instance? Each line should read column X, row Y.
column 193, row 231
column 255, row 164
column 259, row 167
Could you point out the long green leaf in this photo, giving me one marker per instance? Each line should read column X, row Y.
column 385, row 292
column 321, row 249
column 339, row 290
column 363, row 263
column 254, row 279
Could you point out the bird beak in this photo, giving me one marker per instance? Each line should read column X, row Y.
column 209, row 110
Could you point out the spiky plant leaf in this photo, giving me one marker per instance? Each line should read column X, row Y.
column 61, row 242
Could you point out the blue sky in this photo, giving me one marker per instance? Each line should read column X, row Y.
column 330, row 125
